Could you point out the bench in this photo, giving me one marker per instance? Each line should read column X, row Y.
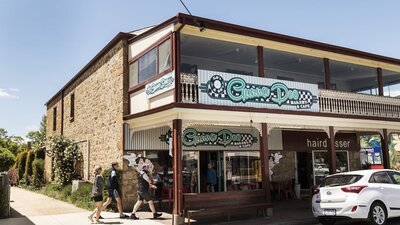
column 224, row 203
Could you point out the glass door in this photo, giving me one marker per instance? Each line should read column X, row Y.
column 321, row 165
column 212, row 171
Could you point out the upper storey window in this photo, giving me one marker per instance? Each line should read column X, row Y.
column 353, row 78
column 154, row 62
column 391, row 83
column 209, row 54
column 294, row 67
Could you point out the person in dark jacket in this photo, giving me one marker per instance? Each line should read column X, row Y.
column 211, row 178
column 145, row 184
column 97, row 194
column 113, row 190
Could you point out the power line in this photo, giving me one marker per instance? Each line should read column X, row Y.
column 186, row 7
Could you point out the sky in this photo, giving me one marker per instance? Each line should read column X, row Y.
column 44, row 43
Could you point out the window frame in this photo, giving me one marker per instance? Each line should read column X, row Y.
column 158, row 74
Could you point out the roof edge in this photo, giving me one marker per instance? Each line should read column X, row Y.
column 120, row 36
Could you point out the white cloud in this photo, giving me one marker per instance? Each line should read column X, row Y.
column 14, row 89
column 32, row 128
column 6, row 93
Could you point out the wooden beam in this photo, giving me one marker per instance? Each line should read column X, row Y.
column 327, row 72
column 260, row 59
column 332, row 151
column 385, row 150
column 264, row 155
column 380, row 81
column 177, row 166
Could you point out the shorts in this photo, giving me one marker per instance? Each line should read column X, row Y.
column 210, row 184
column 113, row 193
column 98, row 198
column 145, row 195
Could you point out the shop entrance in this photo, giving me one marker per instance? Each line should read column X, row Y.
column 304, row 169
column 216, row 160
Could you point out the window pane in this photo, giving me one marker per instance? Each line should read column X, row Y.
column 391, row 83
column 294, row 67
column 164, row 57
column 353, row 78
column 148, row 65
column 190, row 172
column 243, row 171
column 162, row 163
column 215, row 55
column 133, row 74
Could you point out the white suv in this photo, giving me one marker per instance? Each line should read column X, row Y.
column 371, row 195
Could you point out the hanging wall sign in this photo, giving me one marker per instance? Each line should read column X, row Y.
column 193, row 138
column 164, row 84
column 218, row 88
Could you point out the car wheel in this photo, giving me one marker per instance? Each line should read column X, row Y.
column 327, row 221
column 377, row 214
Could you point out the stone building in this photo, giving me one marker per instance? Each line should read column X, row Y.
column 264, row 110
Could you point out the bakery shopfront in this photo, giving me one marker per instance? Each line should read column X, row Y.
column 257, row 108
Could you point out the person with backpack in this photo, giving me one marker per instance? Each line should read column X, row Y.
column 145, row 184
column 113, row 190
column 97, row 194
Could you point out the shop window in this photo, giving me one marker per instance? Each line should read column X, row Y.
column 243, row 170
column 321, row 166
column 371, row 151
column 353, row 78
column 294, row 67
column 162, row 163
column 394, row 150
column 391, row 83
column 215, row 55
column 154, row 62
column 190, row 171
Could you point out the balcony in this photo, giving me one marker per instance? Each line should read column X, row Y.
column 330, row 101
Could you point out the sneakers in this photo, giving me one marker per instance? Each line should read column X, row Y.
column 156, row 215
column 134, row 217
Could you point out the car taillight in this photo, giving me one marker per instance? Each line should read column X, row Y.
column 316, row 191
column 354, row 189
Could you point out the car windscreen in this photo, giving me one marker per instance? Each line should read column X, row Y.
column 340, row 180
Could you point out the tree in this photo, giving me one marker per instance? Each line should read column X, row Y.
column 7, row 159
column 38, row 138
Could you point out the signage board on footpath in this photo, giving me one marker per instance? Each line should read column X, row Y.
column 219, row 88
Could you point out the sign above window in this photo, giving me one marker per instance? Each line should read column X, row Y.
column 219, row 88
column 194, row 138
column 161, row 85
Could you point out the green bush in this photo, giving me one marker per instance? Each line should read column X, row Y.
column 38, row 172
column 28, row 166
column 7, row 159
column 82, row 197
column 20, row 164
column 65, row 154
column 65, row 192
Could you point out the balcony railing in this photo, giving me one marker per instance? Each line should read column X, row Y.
column 330, row 101
column 338, row 102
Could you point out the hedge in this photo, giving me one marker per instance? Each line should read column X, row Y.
column 28, row 166
column 21, row 163
column 7, row 159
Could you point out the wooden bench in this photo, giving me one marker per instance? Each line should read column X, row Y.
column 224, row 203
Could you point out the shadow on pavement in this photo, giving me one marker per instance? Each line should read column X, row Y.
column 16, row 218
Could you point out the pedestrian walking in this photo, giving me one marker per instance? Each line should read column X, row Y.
column 97, row 194
column 113, row 190
column 145, row 184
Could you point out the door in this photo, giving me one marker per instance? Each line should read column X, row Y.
column 304, row 169
column 212, row 160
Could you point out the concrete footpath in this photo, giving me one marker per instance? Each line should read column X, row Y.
column 29, row 208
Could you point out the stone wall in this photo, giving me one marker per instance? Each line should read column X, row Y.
column 100, row 104
column 129, row 187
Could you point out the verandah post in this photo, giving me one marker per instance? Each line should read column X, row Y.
column 264, row 155
column 177, row 167
column 332, row 151
column 385, row 149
